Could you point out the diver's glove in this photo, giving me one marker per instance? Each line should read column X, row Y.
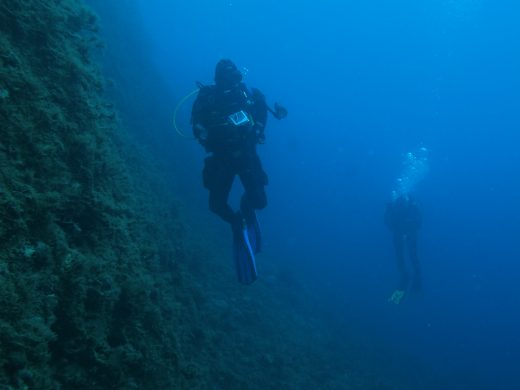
column 396, row 297
column 259, row 130
column 200, row 133
column 280, row 111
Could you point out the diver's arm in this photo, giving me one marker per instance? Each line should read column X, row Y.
column 259, row 112
column 200, row 131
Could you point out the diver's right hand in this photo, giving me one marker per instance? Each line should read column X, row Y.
column 280, row 111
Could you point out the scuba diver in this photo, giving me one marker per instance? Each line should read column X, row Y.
column 229, row 120
column 403, row 218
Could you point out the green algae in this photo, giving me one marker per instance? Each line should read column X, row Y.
column 75, row 233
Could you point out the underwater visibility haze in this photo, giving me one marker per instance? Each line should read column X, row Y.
column 385, row 100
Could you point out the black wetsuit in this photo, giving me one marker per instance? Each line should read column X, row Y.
column 404, row 219
column 232, row 148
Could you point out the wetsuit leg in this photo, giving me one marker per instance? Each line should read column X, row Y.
column 218, row 175
column 254, row 180
column 414, row 258
column 399, row 255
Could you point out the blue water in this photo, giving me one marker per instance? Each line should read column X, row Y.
column 365, row 83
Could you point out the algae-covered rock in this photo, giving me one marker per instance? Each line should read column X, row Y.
column 77, row 238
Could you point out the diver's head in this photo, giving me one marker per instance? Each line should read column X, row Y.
column 227, row 74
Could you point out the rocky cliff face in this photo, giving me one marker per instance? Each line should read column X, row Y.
column 83, row 253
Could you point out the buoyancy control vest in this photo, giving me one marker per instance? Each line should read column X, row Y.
column 229, row 121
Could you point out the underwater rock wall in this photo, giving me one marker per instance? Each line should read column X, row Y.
column 86, row 255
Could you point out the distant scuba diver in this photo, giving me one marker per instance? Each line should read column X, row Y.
column 404, row 219
column 229, row 120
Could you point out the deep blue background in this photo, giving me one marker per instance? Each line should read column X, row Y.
column 366, row 82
